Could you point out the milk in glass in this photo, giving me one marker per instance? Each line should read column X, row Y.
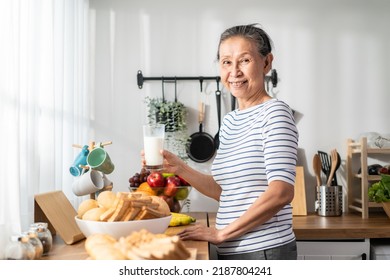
column 153, row 143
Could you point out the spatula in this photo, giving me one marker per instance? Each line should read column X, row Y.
column 325, row 163
column 334, row 163
column 317, row 168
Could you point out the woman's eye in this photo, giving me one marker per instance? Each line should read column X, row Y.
column 226, row 62
column 244, row 61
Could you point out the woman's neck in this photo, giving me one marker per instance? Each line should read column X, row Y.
column 255, row 100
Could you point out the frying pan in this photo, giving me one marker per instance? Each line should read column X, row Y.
column 201, row 146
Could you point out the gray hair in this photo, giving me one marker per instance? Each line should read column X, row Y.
column 250, row 32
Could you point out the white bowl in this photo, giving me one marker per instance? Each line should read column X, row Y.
column 123, row 229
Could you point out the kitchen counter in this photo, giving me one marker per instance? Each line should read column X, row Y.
column 346, row 226
column 62, row 251
column 310, row 227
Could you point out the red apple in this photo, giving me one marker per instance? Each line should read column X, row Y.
column 170, row 189
column 156, row 180
column 174, row 180
column 183, row 182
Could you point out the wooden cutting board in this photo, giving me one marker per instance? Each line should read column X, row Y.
column 55, row 209
column 299, row 201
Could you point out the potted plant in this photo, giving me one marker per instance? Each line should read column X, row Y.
column 380, row 192
column 173, row 114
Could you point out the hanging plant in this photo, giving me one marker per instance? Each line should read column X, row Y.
column 173, row 115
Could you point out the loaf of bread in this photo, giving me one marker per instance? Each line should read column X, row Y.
column 102, row 247
column 105, row 199
column 140, row 245
column 123, row 206
column 85, row 206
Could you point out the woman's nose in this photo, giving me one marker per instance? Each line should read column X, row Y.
column 235, row 70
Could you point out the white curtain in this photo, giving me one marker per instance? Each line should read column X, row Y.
column 44, row 106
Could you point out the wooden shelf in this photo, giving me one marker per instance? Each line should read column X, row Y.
column 359, row 149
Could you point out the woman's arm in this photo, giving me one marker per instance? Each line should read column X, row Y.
column 204, row 183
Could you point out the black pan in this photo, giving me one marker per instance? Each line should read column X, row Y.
column 201, row 147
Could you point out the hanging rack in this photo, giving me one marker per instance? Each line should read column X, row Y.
column 273, row 78
column 163, row 87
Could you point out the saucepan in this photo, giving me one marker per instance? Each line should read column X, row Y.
column 201, row 146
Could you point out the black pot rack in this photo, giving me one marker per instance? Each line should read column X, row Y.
column 273, row 78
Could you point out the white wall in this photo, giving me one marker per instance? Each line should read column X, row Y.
column 332, row 58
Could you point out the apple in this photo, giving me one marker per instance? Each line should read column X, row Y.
column 183, row 182
column 170, row 189
column 182, row 193
column 171, row 185
column 156, row 180
column 174, row 180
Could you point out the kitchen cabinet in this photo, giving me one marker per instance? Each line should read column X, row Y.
column 334, row 250
column 345, row 237
column 359, row 150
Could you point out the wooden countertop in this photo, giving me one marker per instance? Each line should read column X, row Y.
column 62, row 251
column 310, row 227
column 346, row 226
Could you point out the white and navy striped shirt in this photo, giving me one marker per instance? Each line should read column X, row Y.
column 257, row 145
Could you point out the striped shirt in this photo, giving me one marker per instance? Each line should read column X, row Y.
column 257, row 145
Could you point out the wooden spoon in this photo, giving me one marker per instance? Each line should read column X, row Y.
column 334, row 159
column 317, row 168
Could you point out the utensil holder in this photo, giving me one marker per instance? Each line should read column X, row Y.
column 329, row 200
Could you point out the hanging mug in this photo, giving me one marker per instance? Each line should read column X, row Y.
column 90, row 182
column 99, row 159
column 81, row 159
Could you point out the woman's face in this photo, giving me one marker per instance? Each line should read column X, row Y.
column 242, row 68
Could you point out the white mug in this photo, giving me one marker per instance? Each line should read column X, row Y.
column 90, row 182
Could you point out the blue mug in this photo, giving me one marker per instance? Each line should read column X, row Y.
column 81, row 159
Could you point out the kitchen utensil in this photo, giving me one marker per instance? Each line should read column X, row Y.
column 330, row 200
column 325, row 163
column 334, row 159
column 317, row 168
column 334, row 179
column 201, row 147
column 218, row 98
column 233, row 102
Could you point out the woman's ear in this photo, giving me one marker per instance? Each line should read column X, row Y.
column 268, row 62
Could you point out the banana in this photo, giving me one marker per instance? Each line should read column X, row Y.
column 181, row 219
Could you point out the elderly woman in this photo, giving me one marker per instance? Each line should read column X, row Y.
column 253, row 173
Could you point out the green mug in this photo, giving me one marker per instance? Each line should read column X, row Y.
column 99, row 159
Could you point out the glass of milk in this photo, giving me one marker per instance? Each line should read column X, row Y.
column 154, row 142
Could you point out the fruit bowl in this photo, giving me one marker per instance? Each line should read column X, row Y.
column 175, row 201
column 122, row 229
